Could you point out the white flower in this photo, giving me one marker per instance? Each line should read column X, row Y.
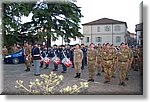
column 84, row 84
column 61, row 77
column 75, row 86
column 16, row 87
column 37, row 80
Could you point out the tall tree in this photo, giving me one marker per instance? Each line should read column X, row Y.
column 11, row 23
column 59, row 19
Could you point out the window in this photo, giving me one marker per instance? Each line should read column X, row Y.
column 98, row 29
column 87, row 39
column 98, row 39
column 118, row 39
column 117, row 28
column 107, row 28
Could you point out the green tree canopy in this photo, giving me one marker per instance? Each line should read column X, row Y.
column 60, row 19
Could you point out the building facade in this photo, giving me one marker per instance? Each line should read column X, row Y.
column 104, row 31
column 131, row 39
column 139, row 33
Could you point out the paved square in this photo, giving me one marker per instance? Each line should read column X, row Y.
column 16, row 72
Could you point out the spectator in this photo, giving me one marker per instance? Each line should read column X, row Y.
column 36, row 60
column 14, row 48
column 5, row 51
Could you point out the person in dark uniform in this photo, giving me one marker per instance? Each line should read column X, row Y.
column 84, row 50
column 55, row 52
column 64, row 53
column 72, row 55
column 44, row 54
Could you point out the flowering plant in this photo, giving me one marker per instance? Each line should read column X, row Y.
column 48, row 84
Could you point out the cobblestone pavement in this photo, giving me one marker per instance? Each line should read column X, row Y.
column 13, row 72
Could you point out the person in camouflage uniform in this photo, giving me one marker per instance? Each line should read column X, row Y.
column 103, row 48
column 141, row 59
column 91, row 62
column 114, row 61
column 99, row 57
column 5, row 51
column 78, row 57
column 27, row 56
column 136, row 59
column 130, row 59
column 107, row 61
column 14, row 48
column 123, row 60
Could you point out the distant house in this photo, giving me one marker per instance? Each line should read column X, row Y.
column 139, row 33
column 130, row 38
column 104, row 30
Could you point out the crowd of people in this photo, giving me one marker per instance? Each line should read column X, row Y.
column 97, row 59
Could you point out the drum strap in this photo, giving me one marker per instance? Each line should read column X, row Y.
column 64, row 54
column 55, row 53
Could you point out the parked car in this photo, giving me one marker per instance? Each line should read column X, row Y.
column 15, row 58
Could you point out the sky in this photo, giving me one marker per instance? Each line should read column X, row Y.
column 123, row 10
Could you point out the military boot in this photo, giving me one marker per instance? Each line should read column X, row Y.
column 98, row 74
column 89, row 80
column 127, row 78
column 76, row 75
column 79, row 75
column 92, row 80
column 27, row 70
column 123, row 84
column 106, row 82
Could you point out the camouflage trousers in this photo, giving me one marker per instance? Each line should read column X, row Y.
column 28, row 61
column 77, row 66
column 141, row 66
column 113, row 69
column 91, row 68
column 122, row 71
column 108, row 70
column 136, row 64
column 129, row 66
column 99, row 67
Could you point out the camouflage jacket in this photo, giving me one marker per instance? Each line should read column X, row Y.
column 99, row 54
column 91, row 54
column 27, row 51
column 78, row 55
column 123, row 55
column 108, row 54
